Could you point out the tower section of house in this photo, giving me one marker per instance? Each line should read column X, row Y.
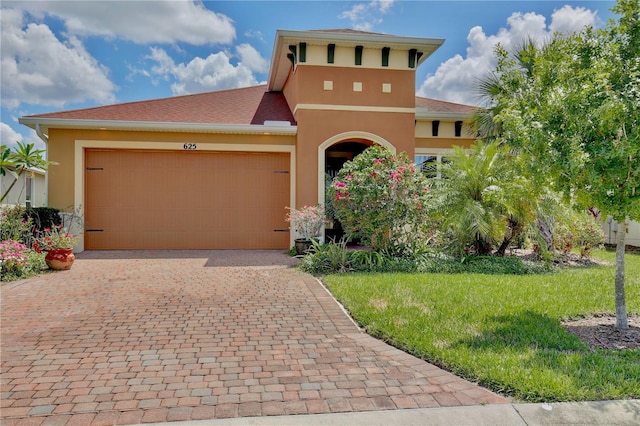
column 346, row 87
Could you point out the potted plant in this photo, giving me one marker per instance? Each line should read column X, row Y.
column 307, row 223
column 58, row 244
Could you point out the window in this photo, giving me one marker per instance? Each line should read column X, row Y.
column 458, row 129
column 385, row 56
column 428, row 164
column 331, row 52
column 359, row 55
column 29, row 191
column 303, row 52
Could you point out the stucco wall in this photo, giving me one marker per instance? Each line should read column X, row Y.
column 62, row 149
column 401, row 88
column 316, row 126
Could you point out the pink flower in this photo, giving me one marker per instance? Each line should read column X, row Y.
column 377, row 161
column 374, row 174
column 349, row 177
column 339, row 184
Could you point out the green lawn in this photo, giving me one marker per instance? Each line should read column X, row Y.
column 503, row 331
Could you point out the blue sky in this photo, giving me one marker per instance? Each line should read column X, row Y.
column 59, row 55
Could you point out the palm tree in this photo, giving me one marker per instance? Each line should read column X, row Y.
column 480, row 199
column 508, row 79
column 18, row 160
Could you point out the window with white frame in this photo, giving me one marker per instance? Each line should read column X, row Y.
column 28, row 199
column 428, row 163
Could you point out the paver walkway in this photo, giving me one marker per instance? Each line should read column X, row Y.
column 137, row 337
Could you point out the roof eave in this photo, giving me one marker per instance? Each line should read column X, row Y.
column 247, row 129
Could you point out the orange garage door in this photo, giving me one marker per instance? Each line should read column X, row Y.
column 185, row 200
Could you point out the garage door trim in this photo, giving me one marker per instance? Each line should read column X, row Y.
column 81, row 145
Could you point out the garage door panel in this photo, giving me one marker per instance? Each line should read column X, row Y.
column 181, row 200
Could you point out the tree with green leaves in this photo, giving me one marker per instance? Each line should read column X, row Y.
column 18, row 160
column 572, row 114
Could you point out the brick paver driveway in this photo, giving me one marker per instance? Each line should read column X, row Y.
column 136, row 337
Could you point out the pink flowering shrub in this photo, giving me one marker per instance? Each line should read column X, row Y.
column 13, row 258
column 381, row 198
column 13, row 225
column 306, row 222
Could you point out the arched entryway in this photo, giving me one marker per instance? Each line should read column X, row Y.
column 333, row 153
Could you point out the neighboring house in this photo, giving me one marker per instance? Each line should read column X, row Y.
column 29, row 191
column 632, row 238
column 216, row 170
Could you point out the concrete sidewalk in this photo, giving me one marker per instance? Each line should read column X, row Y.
column 617, row 413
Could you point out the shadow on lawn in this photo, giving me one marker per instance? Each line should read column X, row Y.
column 547, row 349
column 528, row 330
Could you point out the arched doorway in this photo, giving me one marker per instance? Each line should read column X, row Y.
column 332, row 154
column 335, row 157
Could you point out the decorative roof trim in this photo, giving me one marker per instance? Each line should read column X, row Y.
column 279, row 68
column 245, row 129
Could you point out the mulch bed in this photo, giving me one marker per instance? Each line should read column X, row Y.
column 600, row 332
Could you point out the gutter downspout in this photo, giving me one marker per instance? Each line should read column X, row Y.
column 45, row 139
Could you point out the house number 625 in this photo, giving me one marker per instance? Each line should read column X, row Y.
column 190, row 146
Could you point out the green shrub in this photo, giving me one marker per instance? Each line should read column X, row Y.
column 326, row 258
column 589, row 235
column 336, row 258
column 43, row 217
column 14, row 226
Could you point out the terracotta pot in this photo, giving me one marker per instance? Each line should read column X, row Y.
column 60, row 259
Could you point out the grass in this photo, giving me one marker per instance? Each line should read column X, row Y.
column 503, row 331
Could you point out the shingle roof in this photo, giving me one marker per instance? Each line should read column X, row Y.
column 250, row 105
column 434, row 105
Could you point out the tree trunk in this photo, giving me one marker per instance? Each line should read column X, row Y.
column 621, row 304
column 513, row 230
column 545, row 232
column 11, row 186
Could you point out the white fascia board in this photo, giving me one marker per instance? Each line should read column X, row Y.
column 425, row 114
column 353, row 39
column 247, row 129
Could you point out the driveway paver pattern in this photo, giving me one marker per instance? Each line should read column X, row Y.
column 143, row 337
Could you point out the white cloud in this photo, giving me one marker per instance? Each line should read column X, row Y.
column 159, row 21
column 38, row 68
column 216, row 72
column 8, row 136
column 455, row 79
column 250, row 57
column 364, row 16
column 569, row 19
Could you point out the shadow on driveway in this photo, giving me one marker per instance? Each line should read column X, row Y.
column 214, row 258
